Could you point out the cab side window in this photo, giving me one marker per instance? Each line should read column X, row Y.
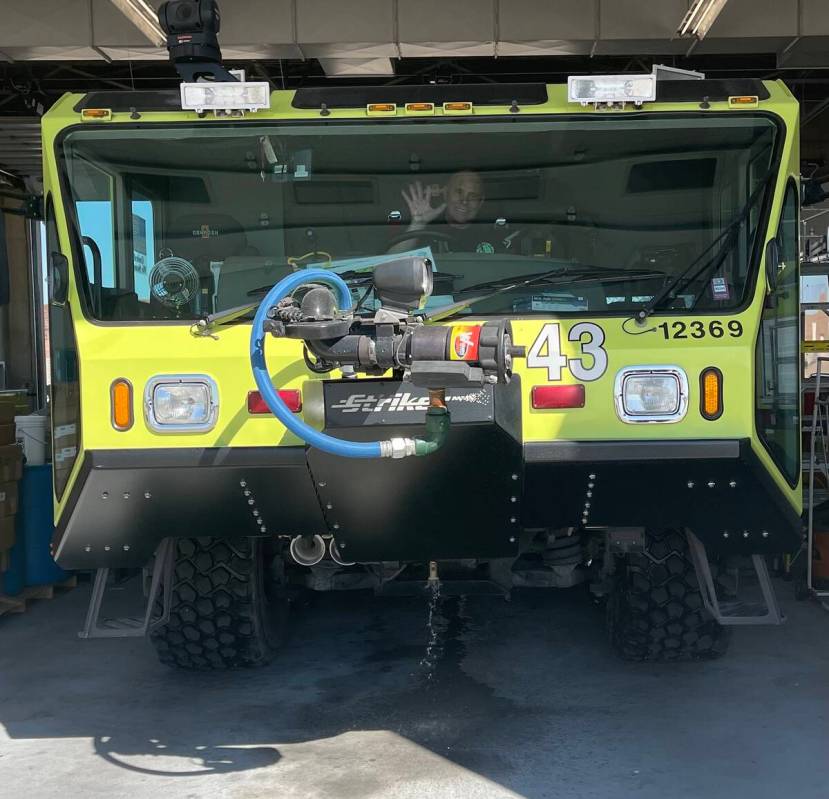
column 778, row 371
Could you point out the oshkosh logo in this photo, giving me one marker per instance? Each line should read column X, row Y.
column 205, row 232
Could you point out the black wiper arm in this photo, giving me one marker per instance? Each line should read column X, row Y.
column 563, row 278
column 728, row 239
column 569, row 270
column 450, row 310
column 205, row 325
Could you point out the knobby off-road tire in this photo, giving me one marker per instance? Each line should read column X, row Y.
column 655, row 611
column 226, row 612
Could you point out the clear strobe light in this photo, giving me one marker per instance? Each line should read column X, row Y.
column 239, row 96
column 611, row 89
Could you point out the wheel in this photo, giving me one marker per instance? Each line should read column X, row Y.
column 655, row 610
column 227, row 611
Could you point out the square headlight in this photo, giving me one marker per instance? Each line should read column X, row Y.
column 651, row 394
column 181, row 403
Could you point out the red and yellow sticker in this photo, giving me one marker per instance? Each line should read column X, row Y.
column 464, row 342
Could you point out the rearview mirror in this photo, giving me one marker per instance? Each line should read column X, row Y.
column 58, row 278
column 814, row 191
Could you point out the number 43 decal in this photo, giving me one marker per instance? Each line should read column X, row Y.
column 545, row 352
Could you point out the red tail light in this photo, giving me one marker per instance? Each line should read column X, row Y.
column 292, row 397
column 558, row 397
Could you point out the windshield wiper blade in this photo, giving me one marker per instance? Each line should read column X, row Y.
column 564, row 278
column 567, row 271
column 727, row 239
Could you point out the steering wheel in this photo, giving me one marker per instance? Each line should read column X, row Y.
column 418, row 235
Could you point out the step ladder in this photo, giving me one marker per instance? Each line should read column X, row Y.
column 133, row 626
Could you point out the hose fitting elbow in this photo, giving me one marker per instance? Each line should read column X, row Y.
column 437, row 431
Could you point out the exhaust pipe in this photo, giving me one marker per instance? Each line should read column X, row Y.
column 307, row 550
column 334, row 552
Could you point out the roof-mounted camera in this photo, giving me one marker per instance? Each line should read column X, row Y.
column 192, row 28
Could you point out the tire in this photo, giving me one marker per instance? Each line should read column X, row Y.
column 226, row 613
column 655, row 611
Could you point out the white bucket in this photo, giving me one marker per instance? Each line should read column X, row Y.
column 32, row 434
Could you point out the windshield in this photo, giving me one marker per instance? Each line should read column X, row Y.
column 603, row 211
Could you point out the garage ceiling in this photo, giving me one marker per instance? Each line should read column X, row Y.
column 355, row 33
column 48, row 47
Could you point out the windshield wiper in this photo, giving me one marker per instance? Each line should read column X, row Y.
column 553, row 277
column 205, row 325
column 727, row 240
column 577, row 272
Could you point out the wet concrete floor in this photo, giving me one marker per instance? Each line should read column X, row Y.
column 498, row 699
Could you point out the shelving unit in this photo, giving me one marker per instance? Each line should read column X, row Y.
column 814, row 328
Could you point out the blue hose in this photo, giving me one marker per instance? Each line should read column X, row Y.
column 314, row 438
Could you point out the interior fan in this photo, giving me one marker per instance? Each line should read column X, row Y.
column 174, row 282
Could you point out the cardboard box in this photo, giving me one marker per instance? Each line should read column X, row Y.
column 8, row 499
column 11, row 463
column 8, row 410
column 8, row 434
column 7, row 537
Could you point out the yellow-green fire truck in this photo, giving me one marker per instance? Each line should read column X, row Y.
column 533, row 335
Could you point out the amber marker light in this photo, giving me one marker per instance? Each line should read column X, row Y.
column 710, row 389
column 120, row 395
column 96, row 114
column 381, row 109
column 457, row 107
column 744, row 101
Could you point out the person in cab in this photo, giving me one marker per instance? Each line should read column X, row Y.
column 448, row 217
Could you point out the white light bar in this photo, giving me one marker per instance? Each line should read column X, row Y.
column 611, row 89
column 226, row 96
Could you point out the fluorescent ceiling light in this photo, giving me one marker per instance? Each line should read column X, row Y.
column 144, row 17
column 700, row 18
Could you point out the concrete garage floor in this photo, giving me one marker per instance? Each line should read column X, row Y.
column 515, row 699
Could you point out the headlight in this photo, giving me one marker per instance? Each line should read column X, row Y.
column 181, row 403
column 651, row 394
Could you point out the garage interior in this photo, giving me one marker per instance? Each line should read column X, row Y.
column 372, row 696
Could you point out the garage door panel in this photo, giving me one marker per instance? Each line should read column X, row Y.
column 757, row 18
column 547, row 20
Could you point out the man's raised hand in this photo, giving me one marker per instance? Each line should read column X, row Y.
column 419, row 200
